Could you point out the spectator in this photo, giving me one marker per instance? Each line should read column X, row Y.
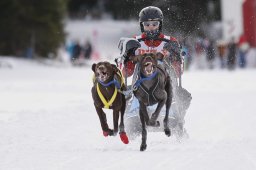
column 69, row 48
column 231, row 54
column 221, row 51
column 87, row 50
column 243, row 48
column 76, row 51
column 210, row 53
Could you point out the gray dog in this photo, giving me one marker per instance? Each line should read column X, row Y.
column 153, row 86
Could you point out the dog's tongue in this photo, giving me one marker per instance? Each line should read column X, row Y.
column 148, row 68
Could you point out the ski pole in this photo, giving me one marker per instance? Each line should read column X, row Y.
column 183, row 53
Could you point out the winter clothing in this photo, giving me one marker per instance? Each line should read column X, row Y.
column 154, row 46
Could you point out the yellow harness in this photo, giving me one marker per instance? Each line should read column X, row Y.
column 109, row 103
column 104, row 101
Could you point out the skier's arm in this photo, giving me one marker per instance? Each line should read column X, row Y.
column 127, row 47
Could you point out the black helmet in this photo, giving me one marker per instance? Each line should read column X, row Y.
column 151, row 13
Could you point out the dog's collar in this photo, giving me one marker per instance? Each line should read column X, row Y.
column 138, row 82
column 114, row 81
column 106, row 103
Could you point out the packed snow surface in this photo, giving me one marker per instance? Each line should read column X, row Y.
column 48, row 122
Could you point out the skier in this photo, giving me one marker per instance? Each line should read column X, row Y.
column 152, row 40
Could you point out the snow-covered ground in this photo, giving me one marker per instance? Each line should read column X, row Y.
column 48, row 121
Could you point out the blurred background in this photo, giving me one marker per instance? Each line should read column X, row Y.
column 214, row 33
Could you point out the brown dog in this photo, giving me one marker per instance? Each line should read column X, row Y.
column 106, row 93
column 152, row 87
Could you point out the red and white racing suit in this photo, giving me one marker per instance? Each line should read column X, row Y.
column 151, row 46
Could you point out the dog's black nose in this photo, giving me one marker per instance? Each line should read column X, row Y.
column 101, row 67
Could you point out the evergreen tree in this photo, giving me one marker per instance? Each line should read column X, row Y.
column 31, row 24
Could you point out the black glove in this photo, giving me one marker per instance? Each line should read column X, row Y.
column 128, row 46
column 130, row 53
column 174, row 49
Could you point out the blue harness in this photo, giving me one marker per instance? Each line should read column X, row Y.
column 149, row 93
column 114, row 81
column 139, row 81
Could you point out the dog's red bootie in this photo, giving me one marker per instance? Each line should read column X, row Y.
column 105, row 133
column 124, row 137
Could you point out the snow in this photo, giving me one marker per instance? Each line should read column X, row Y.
column 48, row 121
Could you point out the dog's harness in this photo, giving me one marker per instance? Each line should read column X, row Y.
column 139, row 81
column 106, row 103
column 109, row 103
column 114, row 81
column 149, row 92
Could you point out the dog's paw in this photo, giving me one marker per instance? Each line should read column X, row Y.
column 111, row 132
column 154, row 123
column 105, row 133
column 143, row 147
column 124, row 137
column 167, row 132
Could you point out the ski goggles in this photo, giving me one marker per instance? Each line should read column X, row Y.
column 153, row 23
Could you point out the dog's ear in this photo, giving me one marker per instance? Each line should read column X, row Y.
column 137, row 58
column 93, row 67
column 114, row 67
column 159, row 56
